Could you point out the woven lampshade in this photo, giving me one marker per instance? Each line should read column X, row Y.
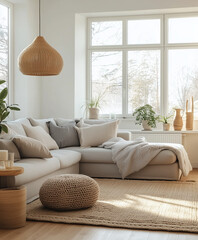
column 40, row 59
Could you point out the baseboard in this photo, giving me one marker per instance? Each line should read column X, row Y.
column 194, row 165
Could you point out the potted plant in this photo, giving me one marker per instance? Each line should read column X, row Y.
column 164, row 120
column 5, row 109
column 93, row 106
column 146, row 116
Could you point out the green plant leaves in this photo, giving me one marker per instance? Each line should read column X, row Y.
column 146, row 112
column 2, row 81
column 3, row 93
column 4, row 108
column 4, row 128
column 4, row 115
column 14, row 108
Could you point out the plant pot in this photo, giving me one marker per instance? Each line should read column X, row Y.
column 166, row 126
column 94, row 113
column 145, row 125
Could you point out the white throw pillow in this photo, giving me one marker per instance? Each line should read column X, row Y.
column 81, row 124
column 41, row 135
column 41, row 122
column 95, row 135
column 10, row 135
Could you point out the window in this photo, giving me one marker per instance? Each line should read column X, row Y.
column 144, row 31
column 4, row 43
column 137, row 60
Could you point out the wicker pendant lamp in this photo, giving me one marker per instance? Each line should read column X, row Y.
column 39, row 58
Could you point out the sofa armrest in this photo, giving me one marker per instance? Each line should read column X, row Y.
column 126, row 135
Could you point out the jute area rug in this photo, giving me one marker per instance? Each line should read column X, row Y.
column 152, row 205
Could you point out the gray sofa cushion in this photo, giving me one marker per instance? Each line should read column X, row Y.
column 101, row 155
column 94, row 154
column 67, row 158
column 62, row 122
column 35, row 168
column 65, row 136
column 164, row 157
column 161, row 172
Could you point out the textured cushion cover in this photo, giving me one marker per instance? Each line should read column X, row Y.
column 67, row 158
column 41, row 122
column 41, row 135
column 29, row 147
column 64, row 136
column 10, row 146
column 69, row 192
column 97, row 134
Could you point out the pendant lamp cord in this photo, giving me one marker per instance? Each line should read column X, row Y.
column 39, row 18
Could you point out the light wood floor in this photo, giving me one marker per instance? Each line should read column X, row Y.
column 53, row 231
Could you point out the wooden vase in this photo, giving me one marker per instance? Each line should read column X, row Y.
column 178, row 122
column 189, row 116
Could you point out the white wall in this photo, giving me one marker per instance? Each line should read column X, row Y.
column 63, row 95
column 26, row 89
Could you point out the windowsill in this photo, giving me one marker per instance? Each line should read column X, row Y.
column 162, row 132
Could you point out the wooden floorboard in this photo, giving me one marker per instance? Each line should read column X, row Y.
column 58, row 231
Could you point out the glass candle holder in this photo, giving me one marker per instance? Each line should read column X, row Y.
column 2, row 164
column 10, row 162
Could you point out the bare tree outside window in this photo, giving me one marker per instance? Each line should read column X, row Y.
column 136, row 61
column 107, row 80
column 106, row 33
column 4, row 45
column 143, row 79
column 183, row 77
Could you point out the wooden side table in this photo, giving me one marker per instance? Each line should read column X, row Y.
column 12, row 201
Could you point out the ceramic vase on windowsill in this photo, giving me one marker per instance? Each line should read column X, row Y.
column 178, row 122
column 166, row 126
column 146, row 126
column 94, row 113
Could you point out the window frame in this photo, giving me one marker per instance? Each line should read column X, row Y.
column 10, row 84
column 163, row 47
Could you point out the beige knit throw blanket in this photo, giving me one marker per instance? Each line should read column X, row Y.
column 132, row 156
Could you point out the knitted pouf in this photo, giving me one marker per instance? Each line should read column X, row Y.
column 69, row 192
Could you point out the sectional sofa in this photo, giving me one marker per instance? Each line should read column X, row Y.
column 92, row 161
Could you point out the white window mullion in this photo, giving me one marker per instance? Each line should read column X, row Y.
column 124, row 84
column 124, row 70
column 9, row 74
column 165, row 67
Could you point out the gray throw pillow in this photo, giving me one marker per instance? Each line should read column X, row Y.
column 65, row 136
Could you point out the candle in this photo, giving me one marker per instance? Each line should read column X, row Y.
column 11, row 156
column 4, row 155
